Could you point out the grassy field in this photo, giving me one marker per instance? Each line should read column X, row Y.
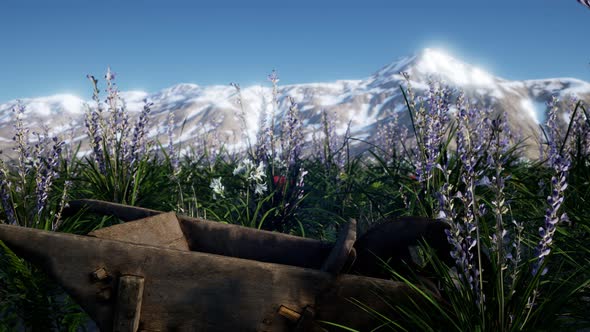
column 529, row 218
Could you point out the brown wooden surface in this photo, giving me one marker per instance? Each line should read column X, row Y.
column 123, row 212
column 193, row 291
column 225, row 239
column 128, row 304
column 341, row 250
column 162, row 230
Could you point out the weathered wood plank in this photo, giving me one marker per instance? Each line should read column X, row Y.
column 128, row 304
column 227, row 240
column 341, row 249
column 248, row 243
column 193, row 291
column 162, row 230
column 123, row 212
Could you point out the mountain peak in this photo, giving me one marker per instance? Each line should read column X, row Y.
column 361, row 105
column 435, row 53
column 449, row 68
column 438, row 63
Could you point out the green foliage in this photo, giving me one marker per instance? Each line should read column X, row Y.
column 453, row 307
column 311, row 194
column 509, row 206
column 29, row 300
column 143, row 184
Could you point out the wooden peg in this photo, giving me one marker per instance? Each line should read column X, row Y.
column 288, row 313
column 128, row 307
column 100, row 274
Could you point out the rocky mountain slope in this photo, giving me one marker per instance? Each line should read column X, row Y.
column 213, row 112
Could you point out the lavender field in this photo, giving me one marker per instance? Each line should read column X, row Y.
column 454, row 160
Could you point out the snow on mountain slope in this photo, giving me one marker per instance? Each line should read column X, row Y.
column 215, row 111
column 46, row 106
column 451, row 69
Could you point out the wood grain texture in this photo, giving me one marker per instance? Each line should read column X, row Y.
column 224, row 239
column 341, row 249
column 195, row 291
column 162, row 230
column 128, row 304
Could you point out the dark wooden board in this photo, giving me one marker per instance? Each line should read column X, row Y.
column 194, row 291
column 226, row 239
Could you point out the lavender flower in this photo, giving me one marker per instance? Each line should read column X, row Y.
column 266, row 143
column 497, row 160
column 99, row 106
column 559, row 161
column 270, row 129
column 431, row 125
column 292, row 135
column 389, row 138
column 262, row 148
column 5, row 195
column 464, row 234
column 242, row 117
column 45, row 174
column 38, row 158
column 112, row 131
column 109, row 137
column 553, row 133
column 138, row 143
column 514, row 255
column 21, row 138
column 96, row 92
column 327, row 150
column 171, row 152
column 94, row 127
column 497, row 135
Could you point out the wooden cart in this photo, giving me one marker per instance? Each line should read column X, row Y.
column 167, row 272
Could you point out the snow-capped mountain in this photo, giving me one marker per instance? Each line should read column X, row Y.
column 215, row 110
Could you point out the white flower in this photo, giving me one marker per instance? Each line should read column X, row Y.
column 218, row 188
column 244, row 167
column 248, row 164
column 239, row 169
column 257, row 174
column 260, row 188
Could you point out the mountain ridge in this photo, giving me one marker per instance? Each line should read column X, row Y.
column 363, row 103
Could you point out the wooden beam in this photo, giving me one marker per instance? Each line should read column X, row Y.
column 128, row 307
column 195, row 291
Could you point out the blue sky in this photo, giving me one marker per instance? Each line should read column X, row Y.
column 48, row 47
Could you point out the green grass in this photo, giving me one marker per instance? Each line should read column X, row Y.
column 338, row 186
